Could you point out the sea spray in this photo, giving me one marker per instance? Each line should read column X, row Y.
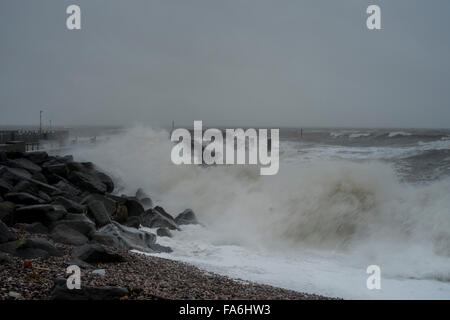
column 358, row 209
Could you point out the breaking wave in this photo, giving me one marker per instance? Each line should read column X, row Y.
column 359, row 209
column 399, row 133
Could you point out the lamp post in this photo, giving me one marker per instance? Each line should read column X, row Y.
column 40, row 121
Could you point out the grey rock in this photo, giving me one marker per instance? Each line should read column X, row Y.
column 110, row 204
column 5, row 187
column 98, row 212
column 14, row 295
column 75, row 166
column 41, row 194
column 24, row 164
column 78, row 222
column 45, row 213
column 5, row 234
column 59, row 169
column 134, row 208
column 61, row 292
column 186, row 217
column 163, row 232
column 87, row 181
column 106, row 180
column 63, row 234
column 105, row 239
column 144, row 198
column 158, row 218
column 119, row 200
column 100, row 272
column 23, row 198
column 67, row 188
column 133, row 222
column 30, row 248
column 122, row 237
column 3, row 156
column 96, row 253
column 69, row 205
column 78, row 262
column 14, row 175
column 37, row 157
column 38, row 176
column 37, row 227
column 7, row 212
column 22, row 186
column 121, row 214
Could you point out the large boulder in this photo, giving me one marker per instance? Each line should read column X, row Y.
column 36, row 227
column 41, row 194
column 133, row 222
column 75, row 166
column 121, row 214
column 78, row 222
column 163, row 232
column 5, row 186
column 23, row 163
column 144, row 199
column 97, row 211
column 63, row 234
column 96, row 253
column 14, row 175
column 110, row 204
column 186, row 217
column 23, row 198
column 37, row 157
column 134, row 208
column 122, row 237
column 38, row 176
column 106, row 180
column 30, row 248
column 69, row 205
column 61, row 292
column 158, row 218
column 23, row 186
column 7, row 212
column 5, row 234
column 3, row 156
column 67, row 188
column 59, row 169
column 118, row 199
column 88, row 181
column 44, row 213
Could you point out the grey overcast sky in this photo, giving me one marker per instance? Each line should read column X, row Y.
column 230, row 63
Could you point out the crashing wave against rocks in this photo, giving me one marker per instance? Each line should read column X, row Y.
column 56, row 212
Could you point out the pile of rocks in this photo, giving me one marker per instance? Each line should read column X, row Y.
column 73, row 203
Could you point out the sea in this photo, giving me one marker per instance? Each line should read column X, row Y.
column 343, row 200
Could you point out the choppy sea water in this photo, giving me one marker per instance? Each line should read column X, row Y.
column 343, row 199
